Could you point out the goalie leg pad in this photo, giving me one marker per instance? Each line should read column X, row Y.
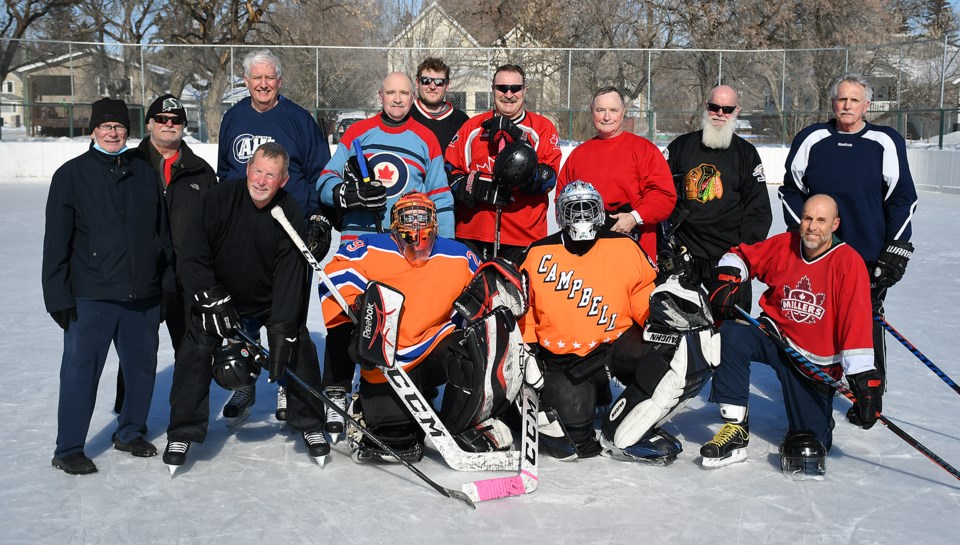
column 484, row 371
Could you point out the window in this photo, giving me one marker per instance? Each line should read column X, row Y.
column 51, row 85
column 115, row 86
column 8, row 86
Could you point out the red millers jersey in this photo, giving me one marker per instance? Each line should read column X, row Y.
column 822, row 306
column 525, row 219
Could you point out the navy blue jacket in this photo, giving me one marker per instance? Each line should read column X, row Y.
column 107, row 236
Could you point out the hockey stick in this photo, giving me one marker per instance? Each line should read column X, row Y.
column 830, row 381
column 455, row 457
column 527, row 480
column 278, row 215
column 916, row 352
column 365, row 174
column 452, row 494
column 496, row 232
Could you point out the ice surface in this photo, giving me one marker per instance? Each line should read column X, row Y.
column 256, row 484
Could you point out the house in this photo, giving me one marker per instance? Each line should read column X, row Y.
column 474, row 48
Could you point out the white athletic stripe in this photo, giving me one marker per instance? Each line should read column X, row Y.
column 891, row 161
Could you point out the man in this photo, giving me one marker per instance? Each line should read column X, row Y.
column 594, row 313
column 107, row 257
column 628, row 170
column 239, row 264
column 488, row 210
column 818, row 300
column 401, row 156
column 431, row 108
column 864, row 167
column 722, row 196
column 431, row 272
column 268, row 116
column 187, row 178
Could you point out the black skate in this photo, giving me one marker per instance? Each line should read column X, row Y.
column 728, row 446
column 238, row 407
column 317, row 446
column 334, row 425
column 175, row 455
column 657, row 447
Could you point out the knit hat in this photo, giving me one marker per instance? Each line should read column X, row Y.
column 107, row 110
column 166, row 104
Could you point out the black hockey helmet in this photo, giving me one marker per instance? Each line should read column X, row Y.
column 802, row 454
column 515, row 165
column 234, row 366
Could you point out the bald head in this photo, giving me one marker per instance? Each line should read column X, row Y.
column 396, row 95
column 725, row 95
column 819, row 221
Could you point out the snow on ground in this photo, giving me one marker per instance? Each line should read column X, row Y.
column 255, row 484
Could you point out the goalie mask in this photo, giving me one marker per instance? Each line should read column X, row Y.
column 413, row 224
column 580, row 211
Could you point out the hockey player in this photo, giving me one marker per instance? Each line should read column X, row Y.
column 470, row 159
column 864, row 167
column 721, row 187
column 594, row 314
column 431, row 272
column 628, row 170
column 818, row 300
column 401, row 155
column 268, row 116
column 432, row 109
column 239, row 263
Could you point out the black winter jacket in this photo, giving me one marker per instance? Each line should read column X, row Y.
column 107, row 236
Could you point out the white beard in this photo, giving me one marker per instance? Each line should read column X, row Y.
column 717, row 137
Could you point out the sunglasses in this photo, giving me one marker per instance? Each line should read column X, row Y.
column 718, row 108
column 439, row 82
column 516, row 88
column 162, row 120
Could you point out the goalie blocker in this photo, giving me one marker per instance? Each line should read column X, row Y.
column 479, row 365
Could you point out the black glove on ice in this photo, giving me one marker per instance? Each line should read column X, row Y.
column 64, row 317
column 891, row 264
column 868, row 389
column 214, row 312
column 724, row 290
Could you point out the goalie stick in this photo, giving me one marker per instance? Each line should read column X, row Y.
column 452, row 494
column 412, row 399
column 844, row 391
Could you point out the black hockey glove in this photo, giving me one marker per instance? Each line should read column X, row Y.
column 64, row 317
column 891, row 264
column 724, row 291
column 499, row 126
column 168, row 304
column 868, row 389
column 282, row 351
column 319, row 233
column 214, row 312
column 354, row 194
column 476, row 187
column 542, row 182
column 671, row 264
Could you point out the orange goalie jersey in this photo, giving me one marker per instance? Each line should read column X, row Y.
column 579, row 302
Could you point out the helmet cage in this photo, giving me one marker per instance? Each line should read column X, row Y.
column 580, row 211
column 413, row 224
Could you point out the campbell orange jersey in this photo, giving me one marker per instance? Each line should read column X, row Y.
column 429, row 290
column 578, row 302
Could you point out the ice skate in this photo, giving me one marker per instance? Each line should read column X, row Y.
column 238, row 407
column 175, row 455
column 334, row 425
column 657, row 447
column 317, row 446
column 281, row 413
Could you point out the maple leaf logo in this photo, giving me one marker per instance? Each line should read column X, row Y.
column 802, row 304
column 385, row 173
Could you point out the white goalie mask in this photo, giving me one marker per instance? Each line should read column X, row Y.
column 580, row 211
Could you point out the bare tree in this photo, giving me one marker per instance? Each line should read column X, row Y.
column 18, row 17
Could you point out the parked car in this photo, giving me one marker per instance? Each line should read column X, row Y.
column 343, row 121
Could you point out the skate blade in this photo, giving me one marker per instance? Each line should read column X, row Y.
column 735, row 456
column 235, row 421
column 320, row 460
column 621, row 456
column 173, row 469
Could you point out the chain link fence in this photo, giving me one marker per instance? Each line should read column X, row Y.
column 916, row 85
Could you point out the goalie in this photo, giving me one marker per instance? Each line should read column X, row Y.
column 595, row 315
column 476, row 363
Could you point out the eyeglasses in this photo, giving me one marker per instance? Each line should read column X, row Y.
column 110, row 128
column 162, row 120
column 516, row 88
column 718, row 108
column 439, row 82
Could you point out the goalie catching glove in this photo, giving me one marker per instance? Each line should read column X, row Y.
column 496, row 283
